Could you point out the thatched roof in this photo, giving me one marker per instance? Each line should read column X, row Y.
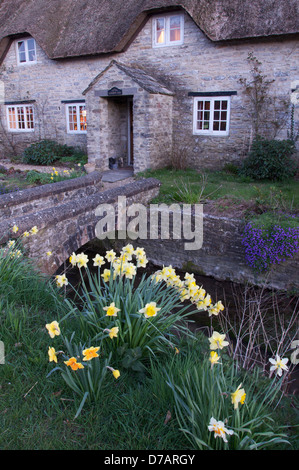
column 71, row 28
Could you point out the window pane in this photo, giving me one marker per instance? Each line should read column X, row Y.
column 31, row 50
column 217, row 104
column 21, row 51
column 72, row 118
column 224, row 104
column 82, row 118
column 21, row 118
column 223, row 126
column 216, row 126
column 12, row 118
column 175, row 28
column 29, row 117
column 160, row 31
column 207, row 105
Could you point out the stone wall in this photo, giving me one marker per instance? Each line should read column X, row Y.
column 66, row 227
column 197, row 65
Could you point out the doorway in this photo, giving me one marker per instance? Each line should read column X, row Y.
column 130, row 147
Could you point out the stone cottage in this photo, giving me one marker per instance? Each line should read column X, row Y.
column 147, row 82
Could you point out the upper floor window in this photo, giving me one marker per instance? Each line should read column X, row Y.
column 211, row 115
column 20, row 118
column 26, row 51
column 168, row 30
column 76, row 117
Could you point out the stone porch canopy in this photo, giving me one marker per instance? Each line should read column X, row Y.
column 128, row 110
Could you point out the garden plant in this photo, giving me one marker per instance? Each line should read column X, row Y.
column 115, row 354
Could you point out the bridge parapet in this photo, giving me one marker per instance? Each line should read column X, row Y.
column 67, row 226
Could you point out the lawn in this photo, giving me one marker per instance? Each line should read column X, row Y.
column 190, row 187
column 170, row 385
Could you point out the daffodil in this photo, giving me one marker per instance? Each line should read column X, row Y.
column 219, row 429
column 52, row 355
column 73, row 259
column 111, row 310
column 34, row 230
column 142, row 262
column 73, row 364
column 279, row 365
column 115, row 372
column 238, row 397
column 150, row 310
column 11, row 243
column 49, row 253
column 214, row 358
column 15, row 229
column 90, row 353
column 53, row 328
column 129, row 250
column 98, row 260
column 113, row 332
column 61, row 280
column 139, row 252
column 129, row 270
column 217, row 341
column 110, row 255
column 106, row 275
column 82, row 260
column 26, row 234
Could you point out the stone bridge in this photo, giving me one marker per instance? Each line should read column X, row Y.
column 64, row 214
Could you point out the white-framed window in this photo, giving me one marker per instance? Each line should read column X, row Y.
column 26, row 51
column 211, row 115
column 76, row 118
column 20, row 118
column 168, row 30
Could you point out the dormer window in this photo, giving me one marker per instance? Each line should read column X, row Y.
column 168, row 30
column 26, row 51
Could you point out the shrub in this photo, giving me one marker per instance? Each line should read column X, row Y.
column 270, row 160
column 46, row 152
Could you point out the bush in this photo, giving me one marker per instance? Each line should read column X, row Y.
column 270, row 160
column 46, row 152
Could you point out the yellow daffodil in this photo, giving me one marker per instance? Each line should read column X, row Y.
column 11, row 243
column 214, row 358
column 61, row 280
column 73, row 364
column 106, row 275
column 52, row 355
column 34, row 230
column 217, row 341
column 129, row 251
column 98, row 260
column 219, row 429
column 113, row 332
column 26, row 234
column 278, row 365
column 129, row 270
column 238, row 397
column 116, row 374
column 142, row 262
column 15, row 229
column 49, row 253
column 53, row 329
column 90, row 353
column 139, row 252
column 82, row 260
column 110, row 255
column 111, row 310
column 150, row 310
column 73, row 259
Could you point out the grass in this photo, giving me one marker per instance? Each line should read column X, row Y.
column 189, row 186
column 19, row 180
column 38, row 412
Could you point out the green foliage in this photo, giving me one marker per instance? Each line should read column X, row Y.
column 46, row 152
column 270, row 160
column 204, row 392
